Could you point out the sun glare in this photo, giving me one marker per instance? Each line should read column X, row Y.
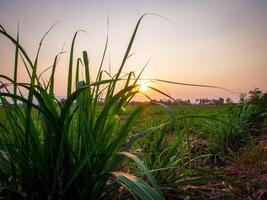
column 143, row 86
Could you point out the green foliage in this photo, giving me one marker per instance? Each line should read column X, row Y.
column 230, row 130
column 69, row 149
column 78, row 147
column 228, row 133
column 165, row 151
column 258, row 99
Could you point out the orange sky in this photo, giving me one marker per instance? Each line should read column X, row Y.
column 219, row 43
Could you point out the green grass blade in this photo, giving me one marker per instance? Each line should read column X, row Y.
column 138, row 186
column 16, row 67
column 144, row 169
column 69, row 87
column 52, row 77
column 77, row 72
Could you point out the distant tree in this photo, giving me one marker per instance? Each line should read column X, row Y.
column 203, row 101
column 184, row 102
column 258, row 100
column 207, row 101
column 218, row 101
column 188, row 102
column 221, row 101
column 242, row 97
column 258, row 97
column 255, row 95
column 179, row 101
column 228, row 100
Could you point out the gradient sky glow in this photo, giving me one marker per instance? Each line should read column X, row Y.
column 222, row 42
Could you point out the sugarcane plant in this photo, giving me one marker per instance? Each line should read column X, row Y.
column 72, row 149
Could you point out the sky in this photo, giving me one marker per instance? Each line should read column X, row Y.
column 220, row 43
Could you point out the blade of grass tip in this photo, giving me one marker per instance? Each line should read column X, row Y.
column 16, row 67
column 86, row 65
column 71, row 65
column 98, row 77
column 32, row 85
column 144, row 67
column 45, row 70
column 25, row 65
column 111, row 91
column 45, row 82
column 128, row 79
column 130, row 55
column 6, row 34
column 104, row 53
column 107, row 73
column 138, row 77
column 131, row 43
column 38, row 52
column 129, row 46
column 52, row 77
column 87, row 96
column 5, row 78
column 129, row 99
column 123, row 100
column 77, row 72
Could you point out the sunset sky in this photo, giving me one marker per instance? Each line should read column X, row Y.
column 222, row 43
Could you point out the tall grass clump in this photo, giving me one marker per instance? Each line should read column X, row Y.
column 165, row 151
column 229, row 131
column 74, row 149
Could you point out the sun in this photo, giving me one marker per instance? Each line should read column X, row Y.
column 143, row 86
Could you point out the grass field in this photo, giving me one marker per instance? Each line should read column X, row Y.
column 86, row 147
column 221, row 139
column 165, row 148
